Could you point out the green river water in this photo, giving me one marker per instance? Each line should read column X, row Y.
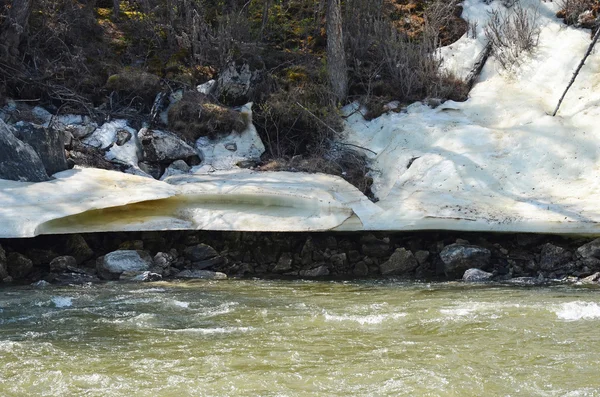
column 299, row 338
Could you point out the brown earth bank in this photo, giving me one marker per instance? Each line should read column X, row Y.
column 528, row 259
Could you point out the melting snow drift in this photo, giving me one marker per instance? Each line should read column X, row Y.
column 497, row 162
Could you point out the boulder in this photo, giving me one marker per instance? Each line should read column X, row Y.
column 164, row 259
column 477, row 275
column 361, row 269
column 62, row 263
column 320, row 271
column 590, row 250
column 19, row 266
column 200, row 252
column 284, row 264
column 113, row 264
column 402, row 261
column 41, row 256
column 48, row 143
column 202, row 274
column 459, row 257
column 77, row 247
column 165, row 148
column 591, row 279
column 553, row 257
column 374, row 247
column 18, row 160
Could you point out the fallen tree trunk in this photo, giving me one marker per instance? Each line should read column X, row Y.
column 478, row 67
column 587, row 53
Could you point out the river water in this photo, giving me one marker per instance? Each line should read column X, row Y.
column 299, row 338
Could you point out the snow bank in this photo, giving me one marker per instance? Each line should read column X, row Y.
column 497, row 162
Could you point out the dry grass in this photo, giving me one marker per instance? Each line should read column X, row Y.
column 195, row 116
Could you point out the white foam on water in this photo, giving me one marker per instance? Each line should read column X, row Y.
column 62, row 301
column 181, row 304
column 210, row 331
column 364, row 320
column 577, row 310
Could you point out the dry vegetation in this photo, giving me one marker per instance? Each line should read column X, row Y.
column 78, row 56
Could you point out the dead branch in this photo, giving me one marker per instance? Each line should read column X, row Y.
column 587, row 53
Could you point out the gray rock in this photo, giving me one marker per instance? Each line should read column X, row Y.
column 477, row 275
column 402, row 261
column 374, row 247
column 178, row 167
column 19, row 266
column 3, row 268
column 553, row 257
column 113, row 264
column 284, row 264
column 48, row 143
column 140, row 276
column 153, row 169
column 339, row 261
column 62, row 263
column 361, row 269
column 123, row 136
column 320, row 271
column 201, row 274
column 164, row 259
column 422, row 256
column 77, row 247
column 164, row 147
column 593, row 279
column 18, row 160
column 590, row 250
column 200, row 252
column 458, row 257
column 205, row 264
column 231, row 146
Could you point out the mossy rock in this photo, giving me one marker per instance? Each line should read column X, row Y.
column 135, row 82
column 194, row 116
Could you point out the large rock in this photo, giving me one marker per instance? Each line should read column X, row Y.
column 18, row 160
column 402, row 261
column 200, row 252
column 459, row 257
column 113, row 264
column 165, row 148
column 591, row 249
column 320, row 271
column 77, row 247
column 62, row 263
column 477, row 275
column 19, row 266
column 48, row 143
column 372, row 246
column 553, row 257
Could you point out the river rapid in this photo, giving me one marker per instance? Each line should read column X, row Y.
column 299, row 338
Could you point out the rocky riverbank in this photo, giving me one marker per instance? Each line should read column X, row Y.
column 150, row 256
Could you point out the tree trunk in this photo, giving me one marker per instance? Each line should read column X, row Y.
column 336, row 55
column 14, row 29
column 116, row 8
